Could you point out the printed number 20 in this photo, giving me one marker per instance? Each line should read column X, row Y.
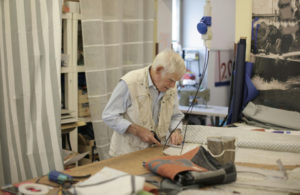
column 223, row 71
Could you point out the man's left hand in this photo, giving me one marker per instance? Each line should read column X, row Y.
column 176, row 138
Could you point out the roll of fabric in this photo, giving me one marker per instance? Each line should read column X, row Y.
column 33, row 189
column 234, row 113
column 283, row 119
column 245, row 138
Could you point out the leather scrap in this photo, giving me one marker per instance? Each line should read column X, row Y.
column 194, row 167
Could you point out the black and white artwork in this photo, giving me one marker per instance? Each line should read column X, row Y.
column 276, row 47
column 278, row 82
column 276, row 28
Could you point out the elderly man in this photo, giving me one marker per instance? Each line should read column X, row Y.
column 143, row 107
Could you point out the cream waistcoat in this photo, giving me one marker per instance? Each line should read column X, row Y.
column 140, row 113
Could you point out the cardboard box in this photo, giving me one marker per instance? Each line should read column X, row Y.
column 85, row 146
column 83, row 104
column 83, row 110
column 83, row 96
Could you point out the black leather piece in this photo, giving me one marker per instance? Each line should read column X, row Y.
column 217, row 174
column 204, row 159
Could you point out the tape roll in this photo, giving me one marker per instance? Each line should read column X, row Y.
column 33, row 189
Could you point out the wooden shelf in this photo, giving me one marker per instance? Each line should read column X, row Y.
column 70, row 71
column 66, row 69
column 70, row 127
column 85, row 119
column 67, row 16
column 76, row 16
column 80, row 68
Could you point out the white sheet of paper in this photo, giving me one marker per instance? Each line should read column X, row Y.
column 113, row 182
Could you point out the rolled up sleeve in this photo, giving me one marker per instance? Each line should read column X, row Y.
column 117, row 105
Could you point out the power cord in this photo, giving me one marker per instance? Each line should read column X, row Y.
column 192, row 103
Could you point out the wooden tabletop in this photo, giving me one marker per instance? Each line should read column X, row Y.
column 132, row 163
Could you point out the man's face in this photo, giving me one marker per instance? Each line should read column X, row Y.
column 167, row 80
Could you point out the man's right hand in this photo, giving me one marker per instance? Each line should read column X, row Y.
column 144, row 134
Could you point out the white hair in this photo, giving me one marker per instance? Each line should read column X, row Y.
column 171, row 61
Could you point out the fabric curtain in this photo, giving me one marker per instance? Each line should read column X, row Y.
column 30, row 47
column 117, row 38
column 1, row 169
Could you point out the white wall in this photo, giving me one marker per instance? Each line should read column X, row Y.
column 164, row 24
column 223, row 24
column 223, row 29
column 192, row 12
column 218, row 95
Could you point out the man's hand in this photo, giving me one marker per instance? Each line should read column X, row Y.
column 176, row 138
column 144, row 134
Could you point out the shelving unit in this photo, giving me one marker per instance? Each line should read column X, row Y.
column 71, row 69
column 85, row 119
column 191, row 58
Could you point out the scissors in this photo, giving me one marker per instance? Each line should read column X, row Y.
column 155, row 136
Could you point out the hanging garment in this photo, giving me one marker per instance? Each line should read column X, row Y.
column 194, row 167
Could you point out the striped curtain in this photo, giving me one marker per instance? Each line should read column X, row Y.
column 30, row 47
column 117, row 38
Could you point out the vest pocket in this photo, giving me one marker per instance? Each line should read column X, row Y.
column 144, row 108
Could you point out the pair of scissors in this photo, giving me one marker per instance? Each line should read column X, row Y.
column 155, row 136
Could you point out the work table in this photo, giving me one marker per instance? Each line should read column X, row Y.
column 132, row 163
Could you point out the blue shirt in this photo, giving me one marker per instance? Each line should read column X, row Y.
column 120, row 100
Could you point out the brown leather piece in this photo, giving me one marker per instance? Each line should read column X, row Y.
column 170, row 166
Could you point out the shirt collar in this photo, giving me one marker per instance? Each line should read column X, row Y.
column 150, row 82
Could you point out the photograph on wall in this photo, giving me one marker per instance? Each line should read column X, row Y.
column 275, row 44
